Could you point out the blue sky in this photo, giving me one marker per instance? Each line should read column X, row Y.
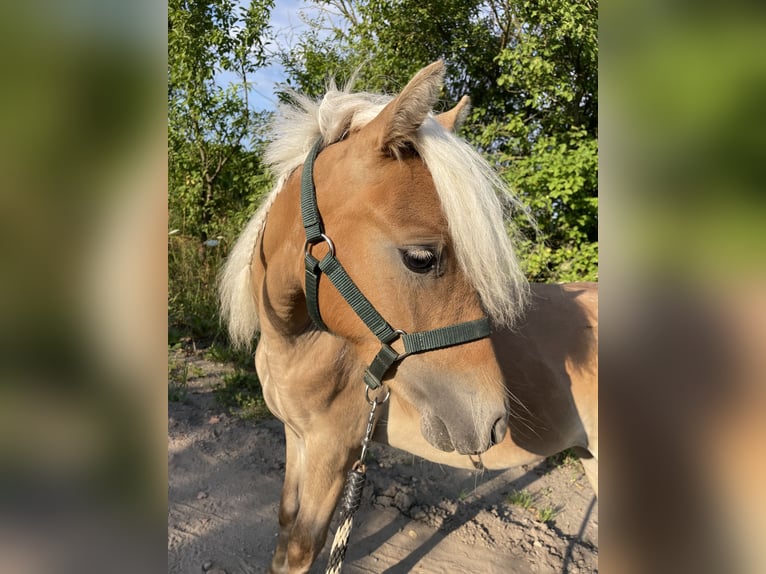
column 286, row 25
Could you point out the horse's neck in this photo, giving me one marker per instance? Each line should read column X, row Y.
column 295, row 360
column 277, row 268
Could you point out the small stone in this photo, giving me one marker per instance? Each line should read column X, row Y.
column 412, row 534
column 201, row 495
column 391, row 491
column 207, row 566
column 403, row 501
column 214, row 420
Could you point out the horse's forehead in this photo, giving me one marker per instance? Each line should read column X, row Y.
column 380, row 173
column 401, row 190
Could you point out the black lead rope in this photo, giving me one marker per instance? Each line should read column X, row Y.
column 352, row 494
column 414, row 343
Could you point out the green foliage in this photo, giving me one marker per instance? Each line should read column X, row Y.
column 222, row 353
column 241, row 392
column 558, row 182
column 178, row 381
column 548, row 140
column 216, row 177
column 548, row 513
column 213, row 135
column 529, row 66
column 528, row 501
column 192, row 297
column 522, row 498
column 208, row 209
column 531, row 70
column 564, row 458
column 180, row 371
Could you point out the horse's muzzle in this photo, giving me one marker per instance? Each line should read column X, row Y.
column 470, row 437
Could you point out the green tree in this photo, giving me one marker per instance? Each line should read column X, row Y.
column 530, row 68
column 549, row 146
column 212, row 132
column 215, row 173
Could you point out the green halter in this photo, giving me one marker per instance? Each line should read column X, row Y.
column 330, row 266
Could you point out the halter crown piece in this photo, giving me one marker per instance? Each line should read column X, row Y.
column 420, row 342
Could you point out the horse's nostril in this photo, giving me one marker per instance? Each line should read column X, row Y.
column 498, row 431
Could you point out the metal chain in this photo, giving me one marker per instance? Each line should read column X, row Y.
column 352, row 493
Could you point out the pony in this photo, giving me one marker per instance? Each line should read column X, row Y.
column 382, row 256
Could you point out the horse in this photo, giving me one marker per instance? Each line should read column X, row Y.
column 381, row 255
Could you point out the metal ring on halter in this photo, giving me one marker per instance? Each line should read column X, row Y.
column 401, row 356
column 325, row 239
column 375, row 401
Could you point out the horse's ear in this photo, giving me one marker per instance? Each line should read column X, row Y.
column 393, row 129
column 451, row 120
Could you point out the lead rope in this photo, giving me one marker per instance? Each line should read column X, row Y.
column 352, row 493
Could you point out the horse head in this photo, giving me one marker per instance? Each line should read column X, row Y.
column 412, row 214
column 380, row 205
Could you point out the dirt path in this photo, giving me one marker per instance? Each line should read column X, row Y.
column 225, row 476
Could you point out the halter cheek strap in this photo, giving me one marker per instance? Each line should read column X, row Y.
column 414, row 343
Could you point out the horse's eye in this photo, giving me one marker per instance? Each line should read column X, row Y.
column 419, row 260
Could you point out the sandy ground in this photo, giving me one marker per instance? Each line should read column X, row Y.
column 225, row 476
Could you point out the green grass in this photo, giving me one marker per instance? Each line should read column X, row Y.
column 241, row 393
column 178, row 381
column 529, row 501
column 194, row 322
column 522, row 498
column 570, row 461
column 223, row 353
column 548, row 513
column 192, row 290
column 564, row 458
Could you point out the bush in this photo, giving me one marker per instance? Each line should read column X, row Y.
column 192, row 290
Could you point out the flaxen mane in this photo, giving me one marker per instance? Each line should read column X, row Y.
column 469, row 189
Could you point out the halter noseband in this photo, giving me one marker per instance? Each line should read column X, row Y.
column 413, row 342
